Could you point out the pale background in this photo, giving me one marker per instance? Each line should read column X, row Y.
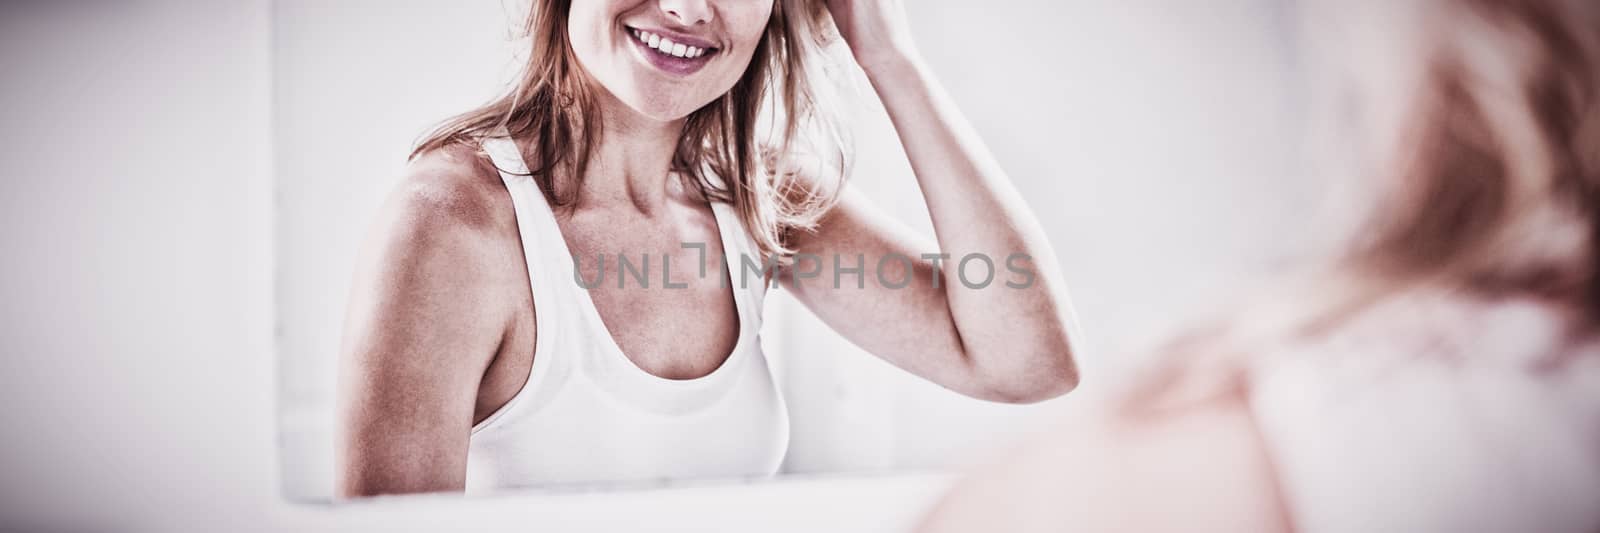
column 185, row 182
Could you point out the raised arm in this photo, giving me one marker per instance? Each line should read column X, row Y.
column 423, row 324
column 1003, row 338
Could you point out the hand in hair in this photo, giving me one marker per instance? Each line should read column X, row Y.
column 876, row 30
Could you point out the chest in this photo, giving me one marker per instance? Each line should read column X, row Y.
column 659, row 285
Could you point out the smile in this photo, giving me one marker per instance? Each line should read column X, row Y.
column 681, row 56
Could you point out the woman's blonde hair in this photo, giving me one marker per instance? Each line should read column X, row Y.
column 730, row 149
column 1494, row 193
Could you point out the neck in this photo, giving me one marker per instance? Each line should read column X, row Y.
column 631, row 165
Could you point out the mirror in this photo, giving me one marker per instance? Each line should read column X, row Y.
column 1154, row 145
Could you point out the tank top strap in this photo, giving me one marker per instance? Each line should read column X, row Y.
column 564, row 332
column 542, row 243
column 739, row 247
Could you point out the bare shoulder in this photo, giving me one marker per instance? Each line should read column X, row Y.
column 438, row 284
column 444, row 248
column 1202, row 468
column 453, row 189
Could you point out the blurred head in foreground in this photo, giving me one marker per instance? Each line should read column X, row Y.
column 1439, row 371
column 1492, row 182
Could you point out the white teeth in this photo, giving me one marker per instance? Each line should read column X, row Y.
column 666, row 46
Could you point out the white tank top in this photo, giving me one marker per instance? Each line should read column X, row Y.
column 588, row 414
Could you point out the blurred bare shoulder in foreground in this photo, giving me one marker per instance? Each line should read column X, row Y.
column 1200, row 470
column 1439, row 371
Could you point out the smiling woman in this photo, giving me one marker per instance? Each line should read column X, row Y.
column 470, row 361
column 671, row 53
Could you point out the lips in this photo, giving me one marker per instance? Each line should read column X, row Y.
column 674, row 54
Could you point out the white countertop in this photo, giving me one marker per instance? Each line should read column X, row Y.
column 832, row 503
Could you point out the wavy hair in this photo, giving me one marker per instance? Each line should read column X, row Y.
column 731, row 150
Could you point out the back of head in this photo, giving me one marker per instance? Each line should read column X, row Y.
column 1493, row 187
column 1486, row 191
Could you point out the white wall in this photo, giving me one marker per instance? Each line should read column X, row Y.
column 141, row 216
column 137, row 352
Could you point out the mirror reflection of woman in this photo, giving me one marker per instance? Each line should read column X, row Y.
column 473, row 361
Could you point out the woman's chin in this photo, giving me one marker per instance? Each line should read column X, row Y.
column 661, row 108
column 657, row 101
